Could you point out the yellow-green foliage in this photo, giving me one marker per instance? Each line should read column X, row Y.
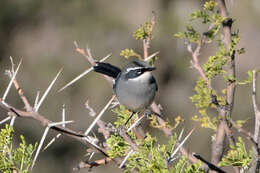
column 150, row 157
column 191, row 34
column 248, row 80
column 215, row 64
column 129, row 53
column 118, row 146
column 143, row 32
column 208, row 15
column 203, row 97
column 154, row 158
column 122, row 116
column 237, row 156
column 183, row 166
column 11, row 158
column 205, row 120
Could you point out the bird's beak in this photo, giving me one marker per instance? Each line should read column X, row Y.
column 150, row 69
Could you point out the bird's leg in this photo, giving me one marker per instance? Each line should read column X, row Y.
column 149, row 112
column 133, row 113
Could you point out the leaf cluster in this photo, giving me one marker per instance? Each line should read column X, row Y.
column 18, row 159
column 237, row 156
column 143, row 32
column 207, row 15
column 127, row 53
column 183, row 166
column 154, row 158
column 118, row 146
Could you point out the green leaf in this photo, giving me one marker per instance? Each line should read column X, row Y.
column 143, row 32
column 129, row 53
column 118, row 146
column 237, row 156
column 11, row 158
column 210, row 5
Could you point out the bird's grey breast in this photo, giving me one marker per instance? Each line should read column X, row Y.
column 136, row 93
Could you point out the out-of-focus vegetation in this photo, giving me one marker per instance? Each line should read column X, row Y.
column 43, row 32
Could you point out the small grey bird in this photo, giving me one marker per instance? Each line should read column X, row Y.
column 134, row 86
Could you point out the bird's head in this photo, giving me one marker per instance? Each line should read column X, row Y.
column 137, row 70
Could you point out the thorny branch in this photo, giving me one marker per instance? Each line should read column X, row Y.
column 225, row 111
column 154, row 106
column 256, row 160
column 146, row 42
column 223, row 128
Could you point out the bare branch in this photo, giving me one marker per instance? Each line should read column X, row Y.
column 44, row 122
column 92, row 113
column 146, row 42
column 90, row 165
column 256, row 160
column 249, row 136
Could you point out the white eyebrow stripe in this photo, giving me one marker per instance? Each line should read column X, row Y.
column 141, row 78
column 133, row 68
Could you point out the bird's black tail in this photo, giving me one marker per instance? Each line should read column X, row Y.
column 107, row 69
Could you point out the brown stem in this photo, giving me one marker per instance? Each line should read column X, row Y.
column 92, row 164
column 27, row 105
column 224, row 111
column 256, row 160
column 248, row 135
column 146, row 41
column 44, row 122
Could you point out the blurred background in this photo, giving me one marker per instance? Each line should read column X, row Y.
column 43, row 32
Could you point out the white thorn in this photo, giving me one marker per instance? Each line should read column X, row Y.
column 103, row 59
column 4, row 120
column 36, row 99
column 12, row 64
column 114, row 104
column 180, row 135
column 151, row 56
column 47, row 91
column 12, row 121
column 92, row 143
column 63, row 115
column 92, row 154
column 181, row 144
column 135, row 123
column 99, row 116
column 40, row 145
column 76, row 44
column 126, row 157
column 52, row 141
column 82, row 74
column 77, row 78
column 11, row 81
